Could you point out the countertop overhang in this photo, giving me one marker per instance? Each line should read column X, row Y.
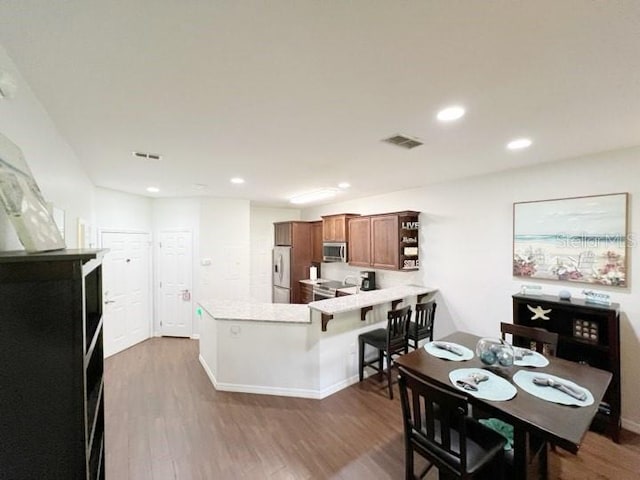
column 365, row 301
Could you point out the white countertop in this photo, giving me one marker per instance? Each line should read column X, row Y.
column 315, row 282
column 348, row 303
column 260, row 312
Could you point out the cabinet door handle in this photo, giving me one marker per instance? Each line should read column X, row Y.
column 109, row 301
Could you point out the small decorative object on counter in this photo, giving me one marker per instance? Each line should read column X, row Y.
column 531, row 290
column 594, row 297
column 564, row 295
column 495, row 351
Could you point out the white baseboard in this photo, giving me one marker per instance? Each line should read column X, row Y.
column 631, row 426
column 279, row 391
column 208, row 372
column 195, row 336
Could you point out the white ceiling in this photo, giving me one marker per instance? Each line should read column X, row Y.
column 296, row 95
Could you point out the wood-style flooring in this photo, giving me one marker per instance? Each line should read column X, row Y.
column 164, row 420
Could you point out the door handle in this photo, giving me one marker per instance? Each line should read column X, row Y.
column 109, row 301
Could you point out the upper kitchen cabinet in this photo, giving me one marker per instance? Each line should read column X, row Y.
column 283, row 233
column 360, row 242
column 334, row 227
column 316, row 241
column 388, row 241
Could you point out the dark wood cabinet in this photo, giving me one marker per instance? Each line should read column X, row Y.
column 51, row 382
column 306, row 293
column 334, row 227
column 359, row 248
column 588, row 333
column 387, row 241
column 283, row 233
column 298, row 236
column 316, row 242
column 385, row 252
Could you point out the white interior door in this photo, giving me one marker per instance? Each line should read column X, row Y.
column 126, row 290
column 175, row 307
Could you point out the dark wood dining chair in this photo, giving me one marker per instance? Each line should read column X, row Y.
column 389, row 341
column 422, row 327
column 437, row 427
column 538, row 339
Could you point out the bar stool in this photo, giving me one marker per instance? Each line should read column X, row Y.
column 389, row 341
column 422, row 327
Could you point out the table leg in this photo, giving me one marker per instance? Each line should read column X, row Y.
column 529, row 456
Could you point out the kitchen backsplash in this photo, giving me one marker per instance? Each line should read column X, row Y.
column 384, row 278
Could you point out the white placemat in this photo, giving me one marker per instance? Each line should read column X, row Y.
column 494, row 388
column 534, row 359
column 524, row 379
column 432, row 349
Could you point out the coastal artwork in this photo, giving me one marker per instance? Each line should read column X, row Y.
column 580, row 239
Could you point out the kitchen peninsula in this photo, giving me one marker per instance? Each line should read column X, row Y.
column 281, row 349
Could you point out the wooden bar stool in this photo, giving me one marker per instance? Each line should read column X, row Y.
column 393, row 340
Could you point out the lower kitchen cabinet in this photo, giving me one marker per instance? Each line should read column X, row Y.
column 306, row 293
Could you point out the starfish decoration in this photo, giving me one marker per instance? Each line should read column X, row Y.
column 539, row 313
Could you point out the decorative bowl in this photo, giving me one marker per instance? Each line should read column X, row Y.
column 495, row 351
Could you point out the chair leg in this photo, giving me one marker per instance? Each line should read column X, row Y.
column 361, row 359
column 389, row 375
column 408, row 464
column 380, row 362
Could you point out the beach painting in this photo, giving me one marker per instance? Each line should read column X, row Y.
column 581, row 239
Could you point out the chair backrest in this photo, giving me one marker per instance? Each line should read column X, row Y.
column 529, row 335
column 425, row 315
column 398, row 328
column 434, row 422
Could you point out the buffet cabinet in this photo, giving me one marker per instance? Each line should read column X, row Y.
column 588, row 333
column 51, row 381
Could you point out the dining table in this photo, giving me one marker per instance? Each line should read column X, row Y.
column 536, row 422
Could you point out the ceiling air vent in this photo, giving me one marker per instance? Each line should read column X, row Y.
column 403, row 141
column 147, row 156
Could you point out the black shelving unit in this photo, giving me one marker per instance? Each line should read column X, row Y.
column 51, row 380
column 588, row 333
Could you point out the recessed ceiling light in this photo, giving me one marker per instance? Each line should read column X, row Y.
column 450, row 114
column 344, row 185
column 519, row 144
column 314, row 196
column 153, row 189
column 237, row 180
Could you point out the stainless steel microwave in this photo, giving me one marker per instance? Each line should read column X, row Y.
column 334, row 252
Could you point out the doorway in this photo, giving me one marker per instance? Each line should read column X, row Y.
column 175, row 264
column 126, row 290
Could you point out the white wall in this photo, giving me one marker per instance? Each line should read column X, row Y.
column 53, row 163
column 262, row 240
column 122, row 211
column 466, row 245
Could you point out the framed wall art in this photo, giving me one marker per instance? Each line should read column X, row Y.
column 23, row 202
column 581, row 239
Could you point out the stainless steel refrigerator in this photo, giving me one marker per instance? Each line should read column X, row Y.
column 281, row 271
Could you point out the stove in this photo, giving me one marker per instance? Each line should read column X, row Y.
column 327, row 289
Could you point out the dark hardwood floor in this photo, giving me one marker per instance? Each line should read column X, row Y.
column 164, row 420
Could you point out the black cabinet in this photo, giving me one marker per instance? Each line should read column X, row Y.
column 588, row 333
column 51, row 380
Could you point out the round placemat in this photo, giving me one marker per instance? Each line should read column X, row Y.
column 524, row 380
column 432, row 349
column 494, row 388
